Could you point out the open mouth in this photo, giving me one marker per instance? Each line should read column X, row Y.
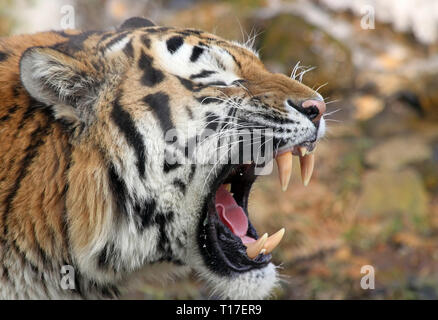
column 227, row 239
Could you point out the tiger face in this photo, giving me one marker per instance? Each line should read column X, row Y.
column 165, row 129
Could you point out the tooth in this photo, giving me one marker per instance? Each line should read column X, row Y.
column 302, row 151
column 253, row 249
column 273, row 241
column 284, row 163
column 307, row 163
column 227, row 187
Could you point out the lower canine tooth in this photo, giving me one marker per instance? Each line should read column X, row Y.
column 307, row 164
column 284, row 163
column 273, row 241
column 254, row 249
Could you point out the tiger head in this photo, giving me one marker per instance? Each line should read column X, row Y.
column 167, row 127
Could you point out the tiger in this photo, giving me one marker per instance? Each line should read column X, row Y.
column 96, row 169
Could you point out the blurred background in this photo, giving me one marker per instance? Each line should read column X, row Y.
column 373, row 199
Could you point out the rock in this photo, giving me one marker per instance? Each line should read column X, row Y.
column 394, row 194
column 288, row 39
column 426, row 89
column 367, row 106
column 397, row 152
column 397, row 118
column 219, row 18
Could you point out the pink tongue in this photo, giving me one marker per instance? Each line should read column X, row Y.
column 231, row 214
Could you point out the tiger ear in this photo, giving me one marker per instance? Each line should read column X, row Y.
column 58, row 80
column 136, row 22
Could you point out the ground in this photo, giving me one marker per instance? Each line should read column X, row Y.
column 373, row 199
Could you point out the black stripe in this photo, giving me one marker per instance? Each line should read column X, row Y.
column 108, row 291
column 189, row 32
column 235, row 60
column 5, row 273
column 16, row 91
column 128, row 49
column 190, row 85
column 11, row 111
column 174, row 43
column 146, row 212
column 189, row 147
column 33, row 107
column 157, row 29
column 278, row 121
column 75, row 41
column 3, row 56
column 230, row 116
column 197, row 51
column 183, row 33
column 37, row 140
column 167, row 167
column 197, row 32
column 114, row 40
column 24, row 260
column 215, row 83
column 78, row 284
column 118, row 188
column 178, row 183
column 42, row 253
column 146, row 41
column 202, row 74
column 105, row 36
column 189, row 112
column 107, row 256
column 159, row 103
column 123, row 120
column 203, row 44
column 163, row 241
column 65, row 226
column 151, row 76
column 212, row 120
column 192, row 172
column 208, row 100
column 220, row 64
column 65, row 229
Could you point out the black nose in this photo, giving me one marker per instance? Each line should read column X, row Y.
column 312, row 109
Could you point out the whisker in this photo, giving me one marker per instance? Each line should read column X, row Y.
column 337, row 100
column 302, row 73
column 332, row 112
column 321, row 86
column 294, row 70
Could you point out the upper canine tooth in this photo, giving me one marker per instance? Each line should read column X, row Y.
column 227, row 187
column 307, row 164
column 302, row 151
column 254, row 249
column 284, row 163
column 273, row 241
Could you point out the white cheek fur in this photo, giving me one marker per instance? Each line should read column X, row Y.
column 322, row 128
